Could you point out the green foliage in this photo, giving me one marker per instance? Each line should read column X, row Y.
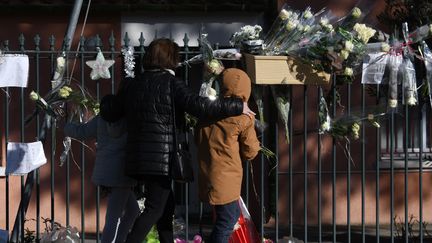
column 152, row 236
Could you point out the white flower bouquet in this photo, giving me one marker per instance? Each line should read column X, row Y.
column 213, row 67
column 428, row 64
column 246, row 33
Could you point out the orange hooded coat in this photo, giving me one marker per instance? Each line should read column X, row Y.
column 223, row 145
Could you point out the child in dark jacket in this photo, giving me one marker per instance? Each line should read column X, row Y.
column 222, row 146
column 108, row 171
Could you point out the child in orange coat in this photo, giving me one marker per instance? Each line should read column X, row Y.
column 222, row 146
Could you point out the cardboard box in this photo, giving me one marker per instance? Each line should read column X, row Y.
column 282, row 70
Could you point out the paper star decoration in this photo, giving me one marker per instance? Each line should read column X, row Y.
column 100, row 67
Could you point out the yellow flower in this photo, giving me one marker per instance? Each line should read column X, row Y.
column 348, row 71
column 364, row 33
column 355, row 129
column 69, row 89
column 63, row 93
column 430, row 29
column 96, row 109
column 344, row 54
column 356, row 13
column 349, row 46
column 33, row 96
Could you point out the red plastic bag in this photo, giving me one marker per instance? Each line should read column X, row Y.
column 244, row 230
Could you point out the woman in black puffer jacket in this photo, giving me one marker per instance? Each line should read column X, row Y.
column 147, row 103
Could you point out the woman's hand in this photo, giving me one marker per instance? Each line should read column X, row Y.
column 248, row 111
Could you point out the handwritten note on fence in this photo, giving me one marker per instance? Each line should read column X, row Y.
column 24, row 157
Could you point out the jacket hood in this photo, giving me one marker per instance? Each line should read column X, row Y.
column 236, row 82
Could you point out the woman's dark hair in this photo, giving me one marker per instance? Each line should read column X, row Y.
column 162, row 53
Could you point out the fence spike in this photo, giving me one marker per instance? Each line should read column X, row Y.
column 82, row 43
column 21, row 40
column 186, row 42
column 37, row 42
column 141, row 41
column 112, row 41
column 98, row 41
column 126, row 39
column 52, row 40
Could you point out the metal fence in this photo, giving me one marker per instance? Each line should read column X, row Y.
column 376, row 190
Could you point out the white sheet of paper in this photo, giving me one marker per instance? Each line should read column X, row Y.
column 4, row 235
column 374, row 67
column 14, row 70
column 2, row 171
column 22, row 158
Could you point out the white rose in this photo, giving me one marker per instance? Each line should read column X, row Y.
column 348, row 71
column 60, row 61
column 323, row 22
column 344, row 54
column 356, row 13
column 412, row 101
column 308, row 14
column 300, row 28
column 328, row 28
column 385, row 47
column 364, row 33
column 349, row 46
column 325, row 126
column 215, row 67
column 306, row 28
column 211, row 94
column 290, row 25
column 33, row 96
column 284, row 14
column 392, row 103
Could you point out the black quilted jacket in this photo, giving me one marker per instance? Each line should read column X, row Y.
column 147, row 104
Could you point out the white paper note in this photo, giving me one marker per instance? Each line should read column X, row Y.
column 22, row 158
column 374, row 65
column 14, row 70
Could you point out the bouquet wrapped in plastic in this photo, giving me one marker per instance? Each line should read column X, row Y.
column 244, row 230
column 290, row 28
column 339, row 48
column 213, row 67
column 428, row 64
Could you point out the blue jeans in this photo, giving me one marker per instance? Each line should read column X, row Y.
column 226, row 217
